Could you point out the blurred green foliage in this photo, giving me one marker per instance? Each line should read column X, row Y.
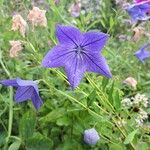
column 65, row 115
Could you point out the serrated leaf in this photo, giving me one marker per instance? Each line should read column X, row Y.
column 111, row 22
column 63, row 121
column 111, row 93
column 99, row 118
column 2, row 138
column 91, row 98
column 15, row 145
column 27, row 125
column 104, row 83
column 143, row 146
column 54, row 115
column 116, row 102
column 39, row 142
column 116, row 147
column 130, row 137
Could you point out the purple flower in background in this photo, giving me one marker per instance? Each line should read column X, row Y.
column 78, row 52
column 142, row 53
column 91, row 136
column 26, row 89
column 139, row 1
column 139, row 11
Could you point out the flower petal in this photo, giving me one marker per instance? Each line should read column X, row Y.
column 68, row 35
column 142, row 53
column 9, row 83
column 57, row 56
column 144, row 7
column 97, row 64
column 75, row 69
column 32, row 83
column 94, row 41
column 138, row 12
column 36, row 100
column 23, row 93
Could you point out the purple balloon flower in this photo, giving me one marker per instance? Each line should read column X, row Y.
column 143, row 53
column 26, row 89
column 139, row 11
column 78, row 52
column 91, row 136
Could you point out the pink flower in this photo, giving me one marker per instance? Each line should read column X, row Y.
column 37, row 17
column 138, row 32
column 18, row 23
column 131, row 82
column 75, row 8
column 16, row 46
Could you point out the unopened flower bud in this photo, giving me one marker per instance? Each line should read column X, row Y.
column 91, row 136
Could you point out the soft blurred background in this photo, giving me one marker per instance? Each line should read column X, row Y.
column 61, row 121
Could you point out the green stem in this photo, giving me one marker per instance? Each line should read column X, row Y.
column 10, row 118
column 5, row 69
column 105, row 98
column 101, row 95
column 15, row 137
column 10, row 106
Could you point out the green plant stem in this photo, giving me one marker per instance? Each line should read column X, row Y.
column 10, row 107
column 15, row 137
column 101, row 93
column 10, row 118
column 103, row 96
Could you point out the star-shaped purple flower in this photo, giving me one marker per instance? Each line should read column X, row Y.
column 91, row 136
column 143, row 53
column 78, row 52
column 139, row 11
column 26, row 89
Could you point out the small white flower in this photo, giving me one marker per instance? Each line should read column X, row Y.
column 139, row 122
column 141, row 117
column 140, row 99
column 126, row 103
column 145, row 102
column 143, row 114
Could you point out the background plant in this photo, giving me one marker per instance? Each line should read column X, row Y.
column 65, row 115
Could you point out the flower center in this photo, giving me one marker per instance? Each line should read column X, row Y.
column 79, row 50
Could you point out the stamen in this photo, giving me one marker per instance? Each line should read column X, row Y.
column 79, row 50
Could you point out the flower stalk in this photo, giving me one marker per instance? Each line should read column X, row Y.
column 10, row 122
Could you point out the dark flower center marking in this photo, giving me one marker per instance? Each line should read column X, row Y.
column 79, row 50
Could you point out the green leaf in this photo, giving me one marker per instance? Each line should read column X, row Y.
column 27, row 125
column 116, row 147
column 117, row 103
column 111, row 93
column 39, row 142
column 63, row 121
column 15, row 145
column 3, row 136
column 69, row 144
column 99, row 118
column 111, row 22
column 54, row 115
column 130, row 137
column 104, row 83
column 91, row 97
column 143, row 146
